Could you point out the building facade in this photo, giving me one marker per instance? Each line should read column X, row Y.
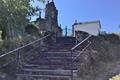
column 50, row 22
column 82, row 30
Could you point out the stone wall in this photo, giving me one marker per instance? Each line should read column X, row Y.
column 103, row 49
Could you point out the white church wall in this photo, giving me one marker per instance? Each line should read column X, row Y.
column 92, row 28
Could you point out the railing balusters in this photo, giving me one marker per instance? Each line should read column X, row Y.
column 71, row 65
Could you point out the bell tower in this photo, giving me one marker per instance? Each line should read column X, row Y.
column 51, row 15
column 51, row 11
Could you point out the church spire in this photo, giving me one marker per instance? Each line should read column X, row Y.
column 52, row 0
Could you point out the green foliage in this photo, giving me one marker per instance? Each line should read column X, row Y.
column 14, row 10
column 14, row 15
column 13, row 19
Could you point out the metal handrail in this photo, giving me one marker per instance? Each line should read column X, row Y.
column 23, row 46
column 18, row 55
column 82, row 51
column 80, row 43
column 72, row 49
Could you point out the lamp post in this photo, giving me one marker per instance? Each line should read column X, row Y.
column 66, row 31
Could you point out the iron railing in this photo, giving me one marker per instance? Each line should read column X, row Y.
column 21, row 55
column 79, row 53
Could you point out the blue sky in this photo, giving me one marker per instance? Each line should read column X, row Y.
column 107, row 11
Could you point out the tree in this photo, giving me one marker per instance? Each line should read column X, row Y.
column 14, row 17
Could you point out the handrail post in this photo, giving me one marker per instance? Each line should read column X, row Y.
column 39, row 44
column 18, row 61
column 71, row 65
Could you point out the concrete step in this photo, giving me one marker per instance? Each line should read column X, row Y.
column 42, row 76
column 54, row 60
column 49, row 70
column 57, row 54
column 46, row 72
column 51, row 62
column 69, row 40
column 32, row 66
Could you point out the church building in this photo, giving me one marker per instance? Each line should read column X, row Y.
column 50, row 22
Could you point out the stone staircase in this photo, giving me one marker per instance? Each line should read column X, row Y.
column 56, row 63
